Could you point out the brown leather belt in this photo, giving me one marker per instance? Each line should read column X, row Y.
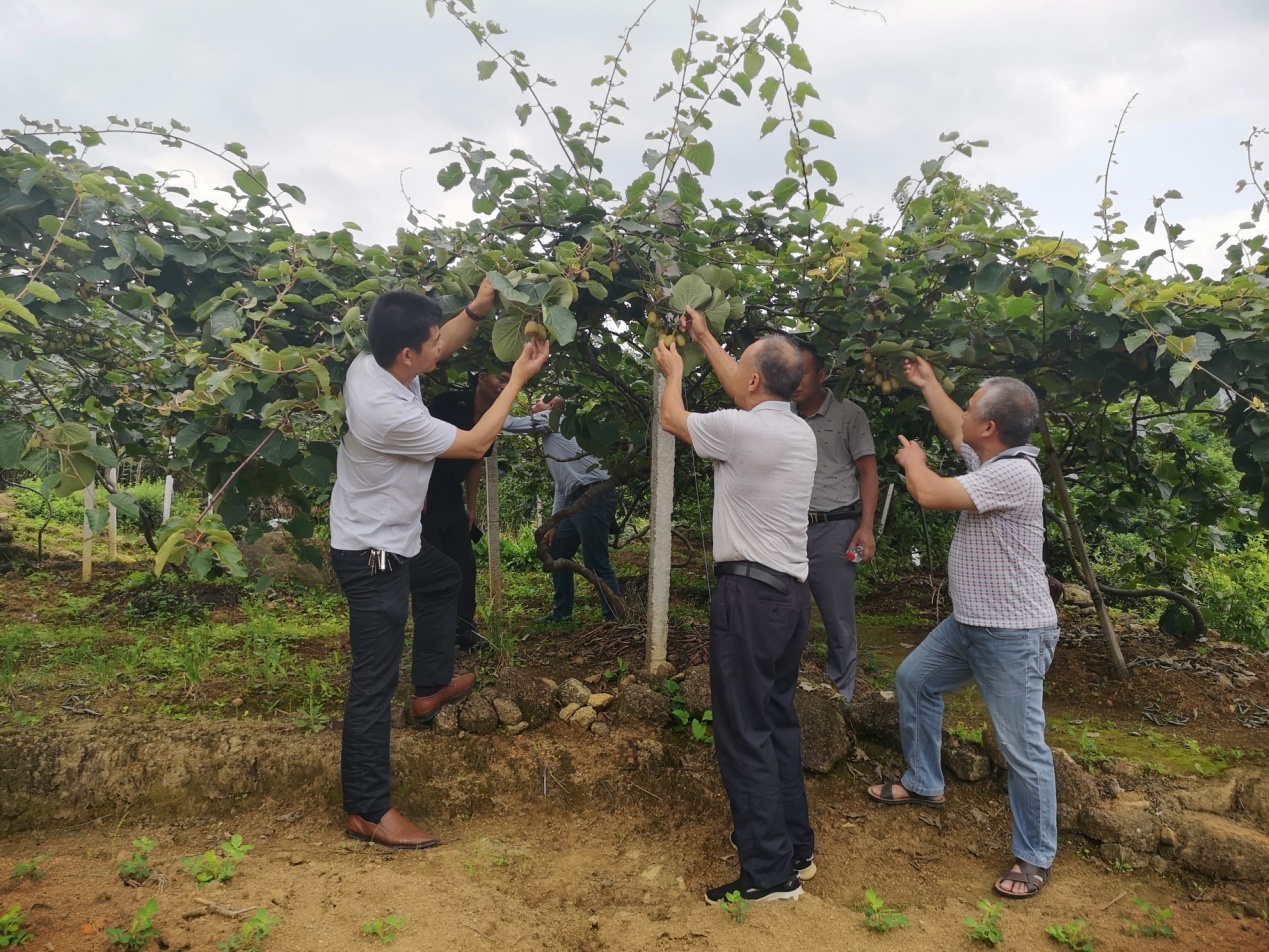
column 756, row 571
column 834, row 515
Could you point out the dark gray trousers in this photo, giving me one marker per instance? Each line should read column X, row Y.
column 832, row 581
column 378, row 604
column 755, row 646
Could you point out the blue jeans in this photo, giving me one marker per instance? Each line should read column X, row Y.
column 588, row 529
column 1009, row 667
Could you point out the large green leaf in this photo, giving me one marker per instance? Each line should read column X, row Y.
column 689, row 291
column 508, row 338
column 561, row 323
column 15, row 436
column 701, row 155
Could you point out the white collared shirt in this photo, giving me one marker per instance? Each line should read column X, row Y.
column 763, row 473
column 385, row 461
column 572, row 468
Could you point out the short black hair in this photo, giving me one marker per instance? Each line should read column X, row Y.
column 779, row 364
column 397, row 320
column 808, row 348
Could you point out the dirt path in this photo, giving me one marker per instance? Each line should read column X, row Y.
column 623, row 873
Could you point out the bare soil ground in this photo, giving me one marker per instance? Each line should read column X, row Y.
column 566, row 865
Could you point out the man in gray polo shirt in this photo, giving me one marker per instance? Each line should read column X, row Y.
column 843, row 504
column 1003, row 627
column 574, row 472
column 764, row 466
column 383, row 468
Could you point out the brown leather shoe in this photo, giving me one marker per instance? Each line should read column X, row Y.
column 393, row 830
column 423, row 709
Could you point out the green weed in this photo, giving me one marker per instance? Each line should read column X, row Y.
column 142, row 930
column 137, row 869
column 1088, row 754
column 213, row 868
column 1073, row 935
column 29, row 869
column 1156, row 925
column 384, row 929
column 986, row 928
column 13, row 931
column 251, row 935
column 736, row 906
column 878, row 916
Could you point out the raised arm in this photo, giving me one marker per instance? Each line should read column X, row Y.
column 696, row 326
column 947, row 415
column 928, row 488
column 474, row 443
column 457, row 331
column 673, row 412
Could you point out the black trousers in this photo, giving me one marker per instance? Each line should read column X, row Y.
column 755, row 646
column 450, row 531
column 378, row 604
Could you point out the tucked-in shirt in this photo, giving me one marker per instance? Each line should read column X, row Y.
column 447, row 490
column 572, row 468
column 764, row 468
column 995, row 568
column 842, row 435
column 384, row 462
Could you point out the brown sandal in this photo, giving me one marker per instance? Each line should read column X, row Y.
column 886, row 796
column 1032, row 876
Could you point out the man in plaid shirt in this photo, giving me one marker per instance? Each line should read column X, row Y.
column 1003, row 627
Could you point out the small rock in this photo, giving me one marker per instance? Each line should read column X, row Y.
column 446, row 720
column 663, row 670
column 600, row 729
column 628, row 679
column 297, row 859
column 594, row 922
column 966, row 762
column 1077, row 596
column 599, row 701
column 644, row 753
column 1167, row 837
column 573, row 691
column 1220, row 848
column 694, row 689
column 569, row 710
column 509, row 712
column 825, row 738
column 592, row 679
column 518, row 728
column 1211, row 796
column 478, row 716
column 640, row 704
column 1076, row 790
column 583, row 717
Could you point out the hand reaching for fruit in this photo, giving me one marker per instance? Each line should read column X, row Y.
column 919, row 372
column 669, row 360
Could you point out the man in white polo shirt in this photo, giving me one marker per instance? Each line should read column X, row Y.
column 763, row 472
column 384, row 463
column 1003, row 627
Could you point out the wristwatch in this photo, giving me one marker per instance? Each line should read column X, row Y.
column 471, row 314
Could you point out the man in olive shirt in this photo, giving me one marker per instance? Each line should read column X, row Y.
column 843, row 504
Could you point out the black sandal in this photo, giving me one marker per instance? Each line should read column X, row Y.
column 887, row 797
column 1032, row 876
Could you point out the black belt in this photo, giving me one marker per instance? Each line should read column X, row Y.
column 579, row 493
column 834, row 515
column 756, row 571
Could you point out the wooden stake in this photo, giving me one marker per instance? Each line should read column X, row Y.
column 1081, row 553
column 90, row 503
column 660, row 535
column 493, row 530
column 112, row 526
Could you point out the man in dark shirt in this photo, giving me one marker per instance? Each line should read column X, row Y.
column 449, row 519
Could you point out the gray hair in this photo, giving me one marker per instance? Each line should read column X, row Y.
column 779, row 363
column 1012, row 406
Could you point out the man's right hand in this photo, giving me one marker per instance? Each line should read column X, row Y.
column 696, row 326
column 919, row 372
column 530, row 361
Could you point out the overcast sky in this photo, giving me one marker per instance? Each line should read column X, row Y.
column 339, row 98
